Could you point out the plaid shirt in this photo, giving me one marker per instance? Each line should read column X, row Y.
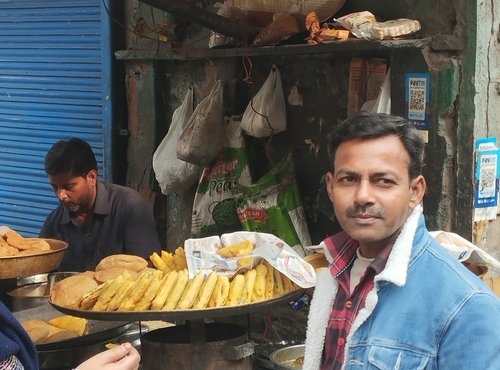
column 347, row 304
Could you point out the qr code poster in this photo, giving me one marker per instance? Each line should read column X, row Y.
column 417, row 99
column 487, row 179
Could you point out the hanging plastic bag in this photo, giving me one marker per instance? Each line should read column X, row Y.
column 203, row 136
column 172, row 174
column 266, row 112
column 274, row 205
column 214, row 208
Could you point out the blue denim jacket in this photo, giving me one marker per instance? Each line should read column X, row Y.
column 427, row 311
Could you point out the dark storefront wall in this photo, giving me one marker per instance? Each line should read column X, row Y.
column 54, row 84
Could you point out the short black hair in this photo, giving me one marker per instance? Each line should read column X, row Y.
column 72, row 156
column 367, row 125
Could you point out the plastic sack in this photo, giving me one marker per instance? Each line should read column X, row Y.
column 214, row 208
column 203, row 136
column 172, row 174
column 266, row 112
column 274, row 205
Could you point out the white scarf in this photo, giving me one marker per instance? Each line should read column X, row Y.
column 395, row 271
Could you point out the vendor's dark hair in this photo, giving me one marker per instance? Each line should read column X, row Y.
column 72, row 156
column 366, row 125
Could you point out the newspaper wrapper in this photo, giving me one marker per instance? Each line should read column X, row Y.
column 201, row 255
column 465, row 251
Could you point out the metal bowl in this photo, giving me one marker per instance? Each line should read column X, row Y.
column 31, row 264
column 284, row 358
column 29, row 296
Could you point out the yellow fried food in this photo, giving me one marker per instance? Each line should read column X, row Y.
column 90, row 298
column 124, row 291
column 287, row 283
column 16, row 240
column 146, row 300
column 245, row 262
column 141, row 286
column 259, row 290
column 73, row 323
column 8, row 250
column 278, row 284
column 250, row 276
column 168, row 258
column 176, row 293
column 166, row 285
column 159, row 263
column 239, row 249
column 269, row 291
column 235, row 290
column 38, row 244
column 206, row 291
column 191, row 292
column 220, row 293
column 180, row 259
column 109, row 290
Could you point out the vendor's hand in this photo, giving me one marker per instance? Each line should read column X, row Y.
column 122, row 357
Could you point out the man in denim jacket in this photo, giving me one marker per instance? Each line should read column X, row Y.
column 392, row 298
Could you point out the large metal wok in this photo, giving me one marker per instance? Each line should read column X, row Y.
column 26, row 265
column 97, row 331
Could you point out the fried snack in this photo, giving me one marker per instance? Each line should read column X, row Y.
column 239, row 249
column 176, row 292
column 55, row 334
column 38, row 244
column 147, row 299
column 190, row 294
column 3, row 242
column 15, row 240
column 220, row 293
column 111, row 345
column 269, row 291
column 206, row 291
column 140, row 287
column 168, row 258
column 111, row 287
column 167, row 283
column 235, row 290
column 180, row 259
column 90, row 298
column 127, row 261
column 69, row 292
column 159, row 263
column 246, row 296
column 37, row 331
column 259, row 290
column 278, row 284
column 287, row 283
column 76, row 324
column 110, row 273
column 245, row 262
column 7, row 250
column 123, row 291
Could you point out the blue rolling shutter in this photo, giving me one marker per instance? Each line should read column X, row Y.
column 54, row 83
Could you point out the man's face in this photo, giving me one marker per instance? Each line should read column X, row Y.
column 76, row 193
column 371, row 191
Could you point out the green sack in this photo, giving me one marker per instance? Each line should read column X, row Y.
column 274, row 205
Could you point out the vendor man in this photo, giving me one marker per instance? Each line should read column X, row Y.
column 392, row 298
column 95, row 218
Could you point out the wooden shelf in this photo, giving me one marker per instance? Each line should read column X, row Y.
column 341, row 46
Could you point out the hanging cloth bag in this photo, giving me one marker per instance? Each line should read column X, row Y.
column 203, row 137
column 266, row 112
column 172, row 174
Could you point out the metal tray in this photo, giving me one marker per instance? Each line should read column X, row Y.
column 175, row 315
column 96, row 331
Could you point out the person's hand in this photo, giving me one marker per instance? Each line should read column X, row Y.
column 122, row 357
